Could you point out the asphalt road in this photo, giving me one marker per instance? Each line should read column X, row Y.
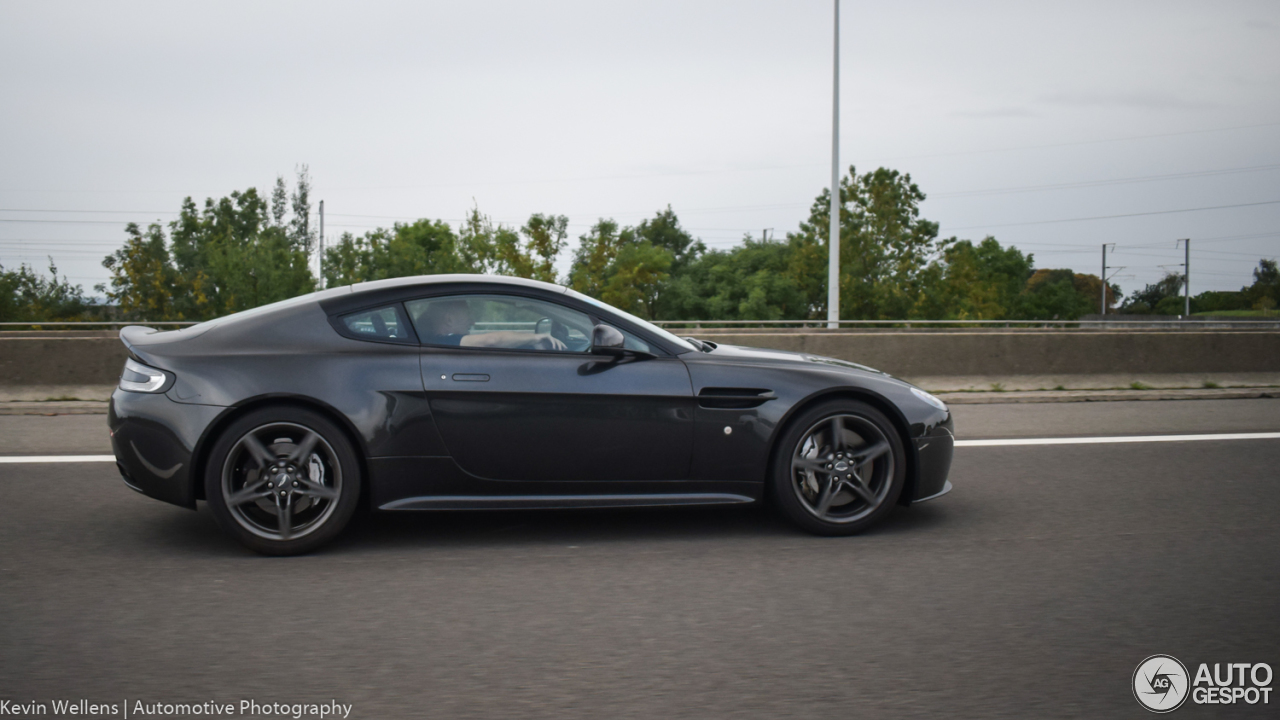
column 1032, row 590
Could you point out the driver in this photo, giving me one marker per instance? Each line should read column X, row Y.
column 449, row 323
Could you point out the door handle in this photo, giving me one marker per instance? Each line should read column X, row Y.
column 471, row 377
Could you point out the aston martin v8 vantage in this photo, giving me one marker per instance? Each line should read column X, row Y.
column 465, row 392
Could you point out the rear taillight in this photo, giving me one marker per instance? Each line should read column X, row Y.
column 142, row 379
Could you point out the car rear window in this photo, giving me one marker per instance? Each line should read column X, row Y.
column 386, row 324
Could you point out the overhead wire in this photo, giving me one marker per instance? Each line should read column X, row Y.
column 1121, row 215
column 1084, row 142
column 1102, row 183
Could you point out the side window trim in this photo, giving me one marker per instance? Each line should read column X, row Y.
column 338, row 322
column 566, row 302
column 503, row 293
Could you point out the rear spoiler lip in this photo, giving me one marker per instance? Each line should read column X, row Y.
column 127, row 334
column 133, row 338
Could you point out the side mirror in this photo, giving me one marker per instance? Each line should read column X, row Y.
column 607, row 340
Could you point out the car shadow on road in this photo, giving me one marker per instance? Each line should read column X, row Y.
column 386, row 530
column 560, row 526
column 380, row 532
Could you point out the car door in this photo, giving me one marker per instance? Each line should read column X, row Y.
column 511, row 404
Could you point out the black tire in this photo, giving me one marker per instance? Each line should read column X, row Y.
column 837, row 490
column 261, row 492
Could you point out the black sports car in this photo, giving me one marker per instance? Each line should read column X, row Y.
column 453, row 392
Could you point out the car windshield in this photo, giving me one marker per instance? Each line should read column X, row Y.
column 674, row 340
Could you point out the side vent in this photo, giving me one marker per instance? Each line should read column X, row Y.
column 734, row 398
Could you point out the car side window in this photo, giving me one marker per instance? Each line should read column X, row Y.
column 387, row 324
column 631, row 342
column 500, row 321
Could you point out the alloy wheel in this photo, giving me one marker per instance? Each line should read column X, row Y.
column 281, row 481
column 842, row 468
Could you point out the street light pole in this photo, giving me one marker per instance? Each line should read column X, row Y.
column 1186, row 280
column 320, row 265
column 1103, row 277
column 833, row 261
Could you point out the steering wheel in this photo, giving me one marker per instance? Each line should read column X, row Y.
column 560, row 331
column 552, row 327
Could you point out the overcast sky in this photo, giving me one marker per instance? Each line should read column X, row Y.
column 1017, row 119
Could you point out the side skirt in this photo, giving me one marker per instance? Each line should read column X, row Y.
column 561, row 502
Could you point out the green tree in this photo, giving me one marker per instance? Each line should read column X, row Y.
column 636, row 278
column 886, row 248
column 1158, row 298
column 144, row 280
column 347, row 261
column 231, row 256
column 279, row 202
column 490, row 249
column 495, row 249
column 1264, row 293
column 1059, row 295
column 299, row 231
column 545, row 235
column 621, row 268
column 429, row 247
column 593, row 258
column 750, row 282
column 1212, row 301
column 423, row 247
column 663, row 231
column 28, row 295
column 236, row 253
column 979, row 282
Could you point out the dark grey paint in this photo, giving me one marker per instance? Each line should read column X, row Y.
column 540, row 424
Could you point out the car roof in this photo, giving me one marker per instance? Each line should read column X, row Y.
column 428, row 280
column 346, row 297
column 369, row 294
column 358, row 296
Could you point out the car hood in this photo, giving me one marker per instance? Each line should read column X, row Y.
column 739, row 353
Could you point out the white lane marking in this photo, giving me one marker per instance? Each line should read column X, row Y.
column 959, row 443
column 56, row 458
column 1117, row 439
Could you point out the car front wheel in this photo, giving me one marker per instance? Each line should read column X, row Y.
column 283, row 480
column 839, row 469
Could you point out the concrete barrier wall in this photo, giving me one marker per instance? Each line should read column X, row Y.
column 923, row 353
column 71, row 359
column 60, row 359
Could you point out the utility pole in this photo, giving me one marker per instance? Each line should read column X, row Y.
column 1103, row 277
column 833, row 262
column 321, row 264
column 1186, row 279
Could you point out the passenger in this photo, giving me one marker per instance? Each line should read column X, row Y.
column 449, row 323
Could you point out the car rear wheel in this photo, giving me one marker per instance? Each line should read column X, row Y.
column 839, row 469
column 282, row 480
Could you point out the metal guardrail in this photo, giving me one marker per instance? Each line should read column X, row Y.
column 111, row 324
column 1243, row 323
column 1128, row 322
